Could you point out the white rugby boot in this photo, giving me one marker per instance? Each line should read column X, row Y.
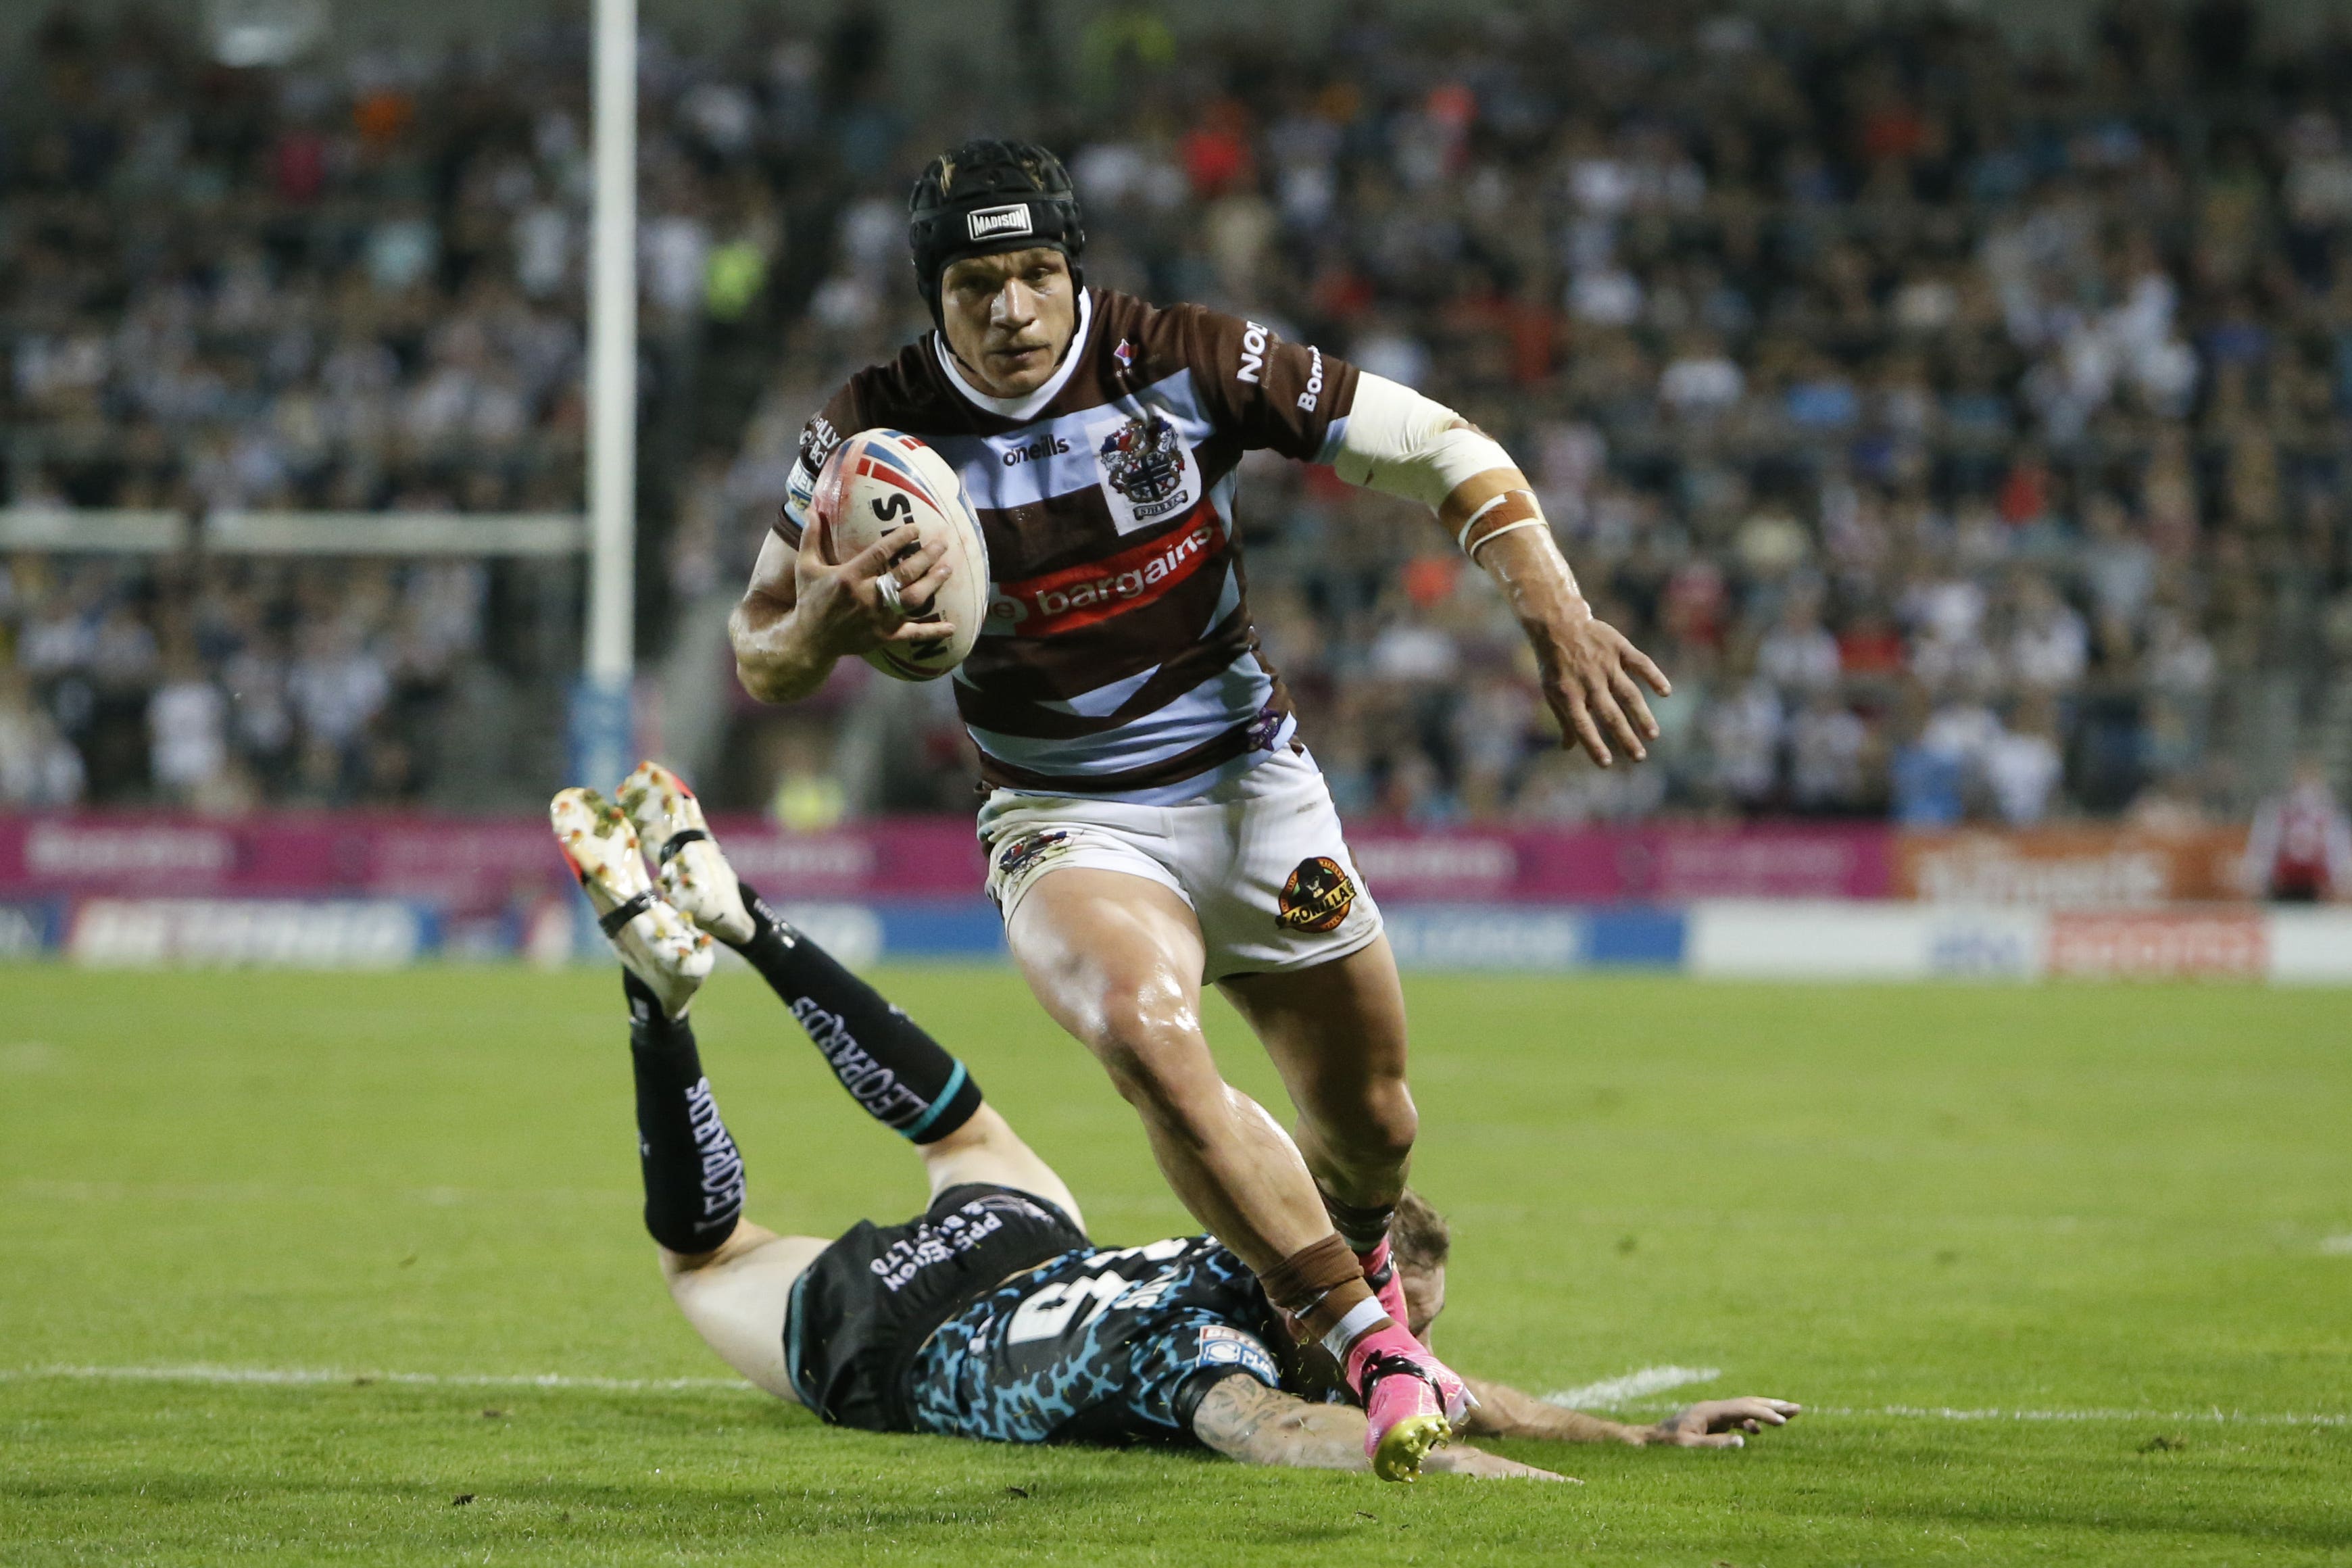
column 695, row 876
column 655, row 942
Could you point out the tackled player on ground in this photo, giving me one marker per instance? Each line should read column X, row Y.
column 1154, row 822
column 991, row 1315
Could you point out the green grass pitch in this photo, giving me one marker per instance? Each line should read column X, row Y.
column 2125, row 1212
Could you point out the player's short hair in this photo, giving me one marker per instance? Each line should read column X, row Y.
column 1418, row 1237
column 989, row 196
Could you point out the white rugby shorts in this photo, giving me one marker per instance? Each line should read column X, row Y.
column 1260, row 859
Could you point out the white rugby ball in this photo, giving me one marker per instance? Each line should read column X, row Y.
column 878, row 483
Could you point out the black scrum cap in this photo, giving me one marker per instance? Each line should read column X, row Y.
column 989, row 196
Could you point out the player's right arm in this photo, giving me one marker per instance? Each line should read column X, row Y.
column 802, row 615
column 1290, row 398
column 1503, row 1411
column 1244, row 1419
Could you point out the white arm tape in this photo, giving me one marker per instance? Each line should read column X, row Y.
column 1461, row 539
column 1398, row 442
column 1506, row 528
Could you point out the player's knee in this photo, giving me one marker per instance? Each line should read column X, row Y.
column 1393, row 1124
column 1164, row 1071
column 1374, row 1127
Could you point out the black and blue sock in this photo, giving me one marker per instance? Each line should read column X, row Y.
column 902, row 1077
column 693, row 1174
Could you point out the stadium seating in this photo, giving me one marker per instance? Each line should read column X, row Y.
column 1962, row 429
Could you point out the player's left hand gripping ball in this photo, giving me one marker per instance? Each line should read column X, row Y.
column 878, row 486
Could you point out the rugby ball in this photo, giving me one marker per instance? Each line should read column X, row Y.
column 879, row 484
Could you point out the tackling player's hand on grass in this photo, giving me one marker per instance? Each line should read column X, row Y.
column 1718, row 1423
column 1507, row 1411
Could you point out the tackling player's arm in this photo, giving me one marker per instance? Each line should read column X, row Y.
column 1244, row 1419
column 1401, row 443
column 1505, row 1412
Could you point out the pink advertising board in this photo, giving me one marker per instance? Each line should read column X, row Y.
column 1645, row 863
column 475, row 866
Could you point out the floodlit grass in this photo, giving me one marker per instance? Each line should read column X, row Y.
column 2112, row 1208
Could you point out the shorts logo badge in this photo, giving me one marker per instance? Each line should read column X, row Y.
column 1021, row 854
column 1318, row 896
column 1144, row 461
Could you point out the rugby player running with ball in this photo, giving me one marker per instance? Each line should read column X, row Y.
column 1154, row 824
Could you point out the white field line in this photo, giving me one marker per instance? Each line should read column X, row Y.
column 310, row 1377
column 1613, row 1391
column 304, row 1377
column 2211, row 1416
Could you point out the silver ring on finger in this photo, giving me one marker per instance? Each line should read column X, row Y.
column 887, row 586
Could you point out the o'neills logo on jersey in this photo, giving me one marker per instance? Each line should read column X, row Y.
column 1082, row 595
column 1037, row 451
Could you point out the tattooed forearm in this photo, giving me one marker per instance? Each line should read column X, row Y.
column 1244, row 1419
column 1505, row 1412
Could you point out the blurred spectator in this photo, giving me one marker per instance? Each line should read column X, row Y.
column 1745, row 733
column 187, row 732
column 2049, row 649
column 2300, row 850
column 2021, row 766
column 38, row 768
column 337, row 686
column 1826, row 746
column 1798, row 655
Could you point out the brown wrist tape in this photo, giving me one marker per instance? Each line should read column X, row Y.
column 1317, row 1285
column 1336, row 1304
column 1511, row 507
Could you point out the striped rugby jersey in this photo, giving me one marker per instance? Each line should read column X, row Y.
column 1117, row 660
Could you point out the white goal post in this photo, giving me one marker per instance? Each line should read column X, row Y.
column 602, row 734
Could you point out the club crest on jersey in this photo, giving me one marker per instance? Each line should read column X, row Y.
column 1143, row 460
column 1317, row 896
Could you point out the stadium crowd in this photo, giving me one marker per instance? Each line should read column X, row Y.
column 1963, row 428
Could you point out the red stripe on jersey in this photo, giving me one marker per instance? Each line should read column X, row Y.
column 1084, row 596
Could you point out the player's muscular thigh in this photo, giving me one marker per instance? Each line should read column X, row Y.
column 1116, row 960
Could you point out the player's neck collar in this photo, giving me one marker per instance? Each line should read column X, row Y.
column 1022, row 408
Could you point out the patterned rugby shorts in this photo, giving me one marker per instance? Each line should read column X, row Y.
column 1260, row 859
